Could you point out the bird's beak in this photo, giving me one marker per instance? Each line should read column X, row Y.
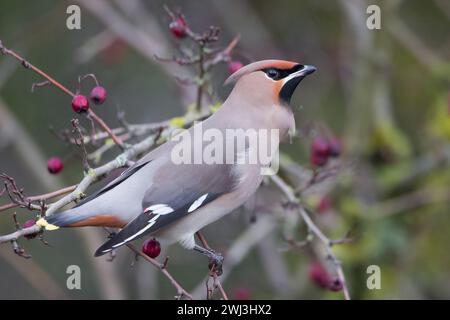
column 307, row 69
column 303, row 72
column 291, row 82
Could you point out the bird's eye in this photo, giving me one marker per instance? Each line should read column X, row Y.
column 273, row 73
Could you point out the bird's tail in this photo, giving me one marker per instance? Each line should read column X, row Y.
column 62, row 219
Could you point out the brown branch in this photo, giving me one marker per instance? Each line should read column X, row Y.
column 28, row 65
column 61, row 87
column 79, row 141
column 19, row 233
column 213, row 273
column 326, row 242
column 105, row 127
column 163, row 268
column 41, row 197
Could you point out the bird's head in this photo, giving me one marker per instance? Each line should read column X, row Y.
column 272, row 81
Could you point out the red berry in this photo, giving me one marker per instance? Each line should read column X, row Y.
column 152, row 248
column 234, row 66
column 98, row 95
column 27, row 224
column 335, row 147
column 80, row 103
column 319, row 275
column 320, row 151
column 324, row 204
column 320, row 146
column 335, row 285
column 242, row 293
column 318, row 160
column 55, row 165
column 178, row 28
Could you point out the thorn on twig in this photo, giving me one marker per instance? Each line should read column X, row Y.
column 19, row 251
column 16, row 223
column 39, row 85
column 165, row 262
column 26, row 64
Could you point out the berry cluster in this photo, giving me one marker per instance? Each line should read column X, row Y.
column 80, row 103
column 180, row 29
column 322, row 149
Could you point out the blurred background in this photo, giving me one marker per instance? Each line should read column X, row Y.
column 384, row 93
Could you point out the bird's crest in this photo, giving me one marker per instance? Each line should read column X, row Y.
column 255, row 66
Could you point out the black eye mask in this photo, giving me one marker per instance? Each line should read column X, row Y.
column 277, row 74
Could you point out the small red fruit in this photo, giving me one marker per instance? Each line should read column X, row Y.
column 319, row 275
column 320, row 147
column 98, row 95
column 80, row 103
column 28, row 224
column 320, row 151
column 55, row 165
column 234, row 66
column 178, row 28
column 324, row 204
column 335, row 285
column 335, row 147
column 151, row 247
column 318, row 160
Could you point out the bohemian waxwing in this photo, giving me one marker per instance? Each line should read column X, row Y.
column 172, row 201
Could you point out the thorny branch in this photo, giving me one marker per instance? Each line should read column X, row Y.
column 326, row 242
column 28, row 65
column 212, row 274
column 163, row 267
column 205, row 60
column 76, row 193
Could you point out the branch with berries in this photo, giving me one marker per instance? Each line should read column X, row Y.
column 294, row 203
column 149, row 135
column 151, row 132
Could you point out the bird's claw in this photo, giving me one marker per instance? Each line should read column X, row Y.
column 216, row 262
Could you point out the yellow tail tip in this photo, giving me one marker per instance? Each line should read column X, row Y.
column 44, row 224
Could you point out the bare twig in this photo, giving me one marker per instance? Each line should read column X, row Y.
column 163, row 268
column 19, row 233
column 326, row 242
column 213, row 272
column 61, row 87
column 40, row 197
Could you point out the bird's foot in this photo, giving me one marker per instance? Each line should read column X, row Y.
column 215, row 259
column 216, row 262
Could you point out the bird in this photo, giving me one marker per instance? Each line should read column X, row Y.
column 171, row 202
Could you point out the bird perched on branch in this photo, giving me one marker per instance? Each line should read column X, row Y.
column 172, row 201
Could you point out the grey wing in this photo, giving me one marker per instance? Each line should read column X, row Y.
column 176, row 191
column 149, row 157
